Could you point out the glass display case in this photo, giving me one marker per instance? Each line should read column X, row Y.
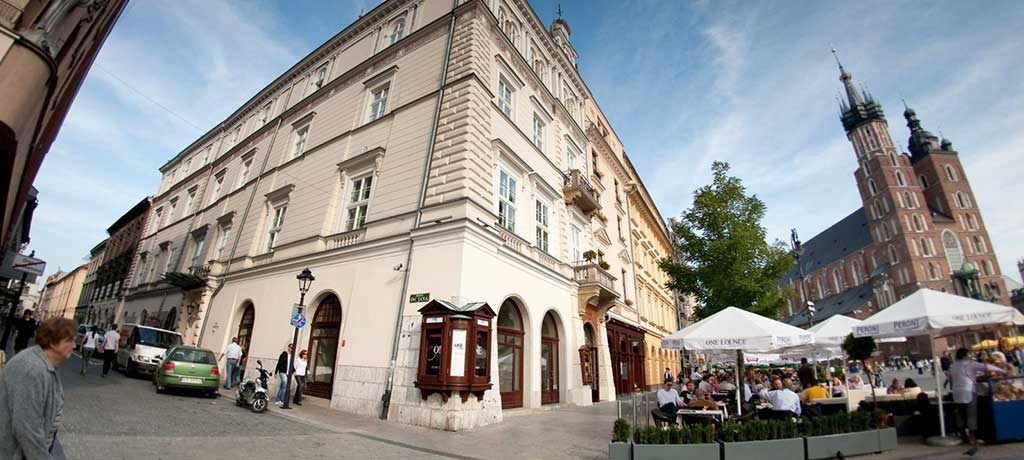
column 1006, row 399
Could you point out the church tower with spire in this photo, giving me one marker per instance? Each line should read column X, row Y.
column 922, row 216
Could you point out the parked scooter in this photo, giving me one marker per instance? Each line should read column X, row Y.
column 253, row 393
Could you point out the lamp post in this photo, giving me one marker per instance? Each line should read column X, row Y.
column 305, row 280
column 811, row 311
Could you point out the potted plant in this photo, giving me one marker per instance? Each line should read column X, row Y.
column 692, row 442
column 619, row 448
column 589, row 256
column 604, row 265
column 761, row 440
column 850, row 434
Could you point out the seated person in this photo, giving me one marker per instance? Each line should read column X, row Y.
column 856, row 383
column 687, row 395
column 837, row 387
column 668, row 399
column 910, row 389
column 728, row 384
column 709, row 385
column 817, row 391
column 782, row 398
column 702, row 401
column 896, row 388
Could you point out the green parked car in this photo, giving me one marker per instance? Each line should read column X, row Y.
column 189, row 368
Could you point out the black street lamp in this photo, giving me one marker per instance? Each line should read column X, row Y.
column 305, row 280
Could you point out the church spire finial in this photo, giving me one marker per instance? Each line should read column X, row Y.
column 559, row 11
column 847, row 79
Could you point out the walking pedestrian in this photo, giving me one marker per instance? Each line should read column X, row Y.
column 26, row 327
column 284, row 365
column 234, row 354
column 89, row 343
column 963, row 373
column 919, row 364
column 668, row 375
column 32, row 397
column 300, row 377
column 110, row 344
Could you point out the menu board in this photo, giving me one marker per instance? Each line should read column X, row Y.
column 458, row 361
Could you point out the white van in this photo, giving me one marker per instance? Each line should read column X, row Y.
column 142, row 348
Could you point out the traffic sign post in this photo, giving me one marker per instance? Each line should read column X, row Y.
column 27, row 265
column 298, row 320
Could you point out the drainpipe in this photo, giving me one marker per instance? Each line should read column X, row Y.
column 390, row 382
column 238, row 234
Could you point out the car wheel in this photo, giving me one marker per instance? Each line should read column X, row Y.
column 130, row 369
column 160, row 389
column 259, row 405
column 212, row 394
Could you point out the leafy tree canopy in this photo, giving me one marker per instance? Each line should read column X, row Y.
column 724, row 257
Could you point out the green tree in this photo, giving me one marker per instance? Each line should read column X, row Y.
column 724, row 258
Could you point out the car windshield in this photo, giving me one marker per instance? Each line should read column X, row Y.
column 155, row 338
column 186, row 355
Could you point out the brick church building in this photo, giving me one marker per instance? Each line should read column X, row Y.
column 920, row 226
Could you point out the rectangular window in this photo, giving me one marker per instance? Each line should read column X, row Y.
column 538, row 132
column 222, row 242
column 265, row 113
column 236, row 135
column 243, row 175
column 379, row 102
column 187, row 169
column 317, row 80
column 158, row 220
column 542, row 226
column 190, row 199
column 358, row 203
column 274, row 226
column 576, row 239
column 505, row 97
column 171, row 212
column 218, row 186
column 507, row 201
column 299, row 141
column 197, row 253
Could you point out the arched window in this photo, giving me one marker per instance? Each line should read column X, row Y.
column 918, row 223
column 933, row 272
column 821, row 288
column 899, row 201
column 885, row 205
column 979, row 244
column 962, row 201
column 837, row 280
column 245, row 326
column 986, row 267
column 925, row 248
column 325, row 334
column 900, row 180
column 950, row 174
column 397, row 29
column 893, row 257
column 870, row 134
column 549, row 360
column 876, row 211
column 954, row 254
column 510, row 355
column 892, row 159
column 971, row 222
column 885, row 231
column 923, row 180
column 872, row 188
column 856, row 273
column 909, row 199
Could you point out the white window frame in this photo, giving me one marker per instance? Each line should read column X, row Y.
column 950, row 173
column 506, row 97
column 542, row 234
column 317, row 79
column 900, row 179
column 246, row 169
column 397, row 29
column 507, row 199
column 377, row 97
column 173, row 202
column 218, row 185
column 872, row 188
column 275, row 222
column 538, row 132
column 190, row 199
column 360, row 191
column 300, row 136
column 576, row 243
column 197, row 251
column 223, row 240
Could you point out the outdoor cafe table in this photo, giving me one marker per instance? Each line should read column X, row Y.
column 718, row 414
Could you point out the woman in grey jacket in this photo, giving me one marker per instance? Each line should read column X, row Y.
column 31, row 395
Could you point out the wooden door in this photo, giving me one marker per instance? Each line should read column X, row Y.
column 323, row 348
column 510, row 355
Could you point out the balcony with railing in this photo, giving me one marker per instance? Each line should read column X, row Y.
column 578, row 191
column 597, row 286
column 194, row 277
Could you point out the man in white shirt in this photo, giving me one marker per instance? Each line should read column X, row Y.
column 783, row 398
column 234, row 354
column 668, row 399
column 110, row 342
column 728, row 384
column 695, row 377
column 89, row 342
column 963, row 373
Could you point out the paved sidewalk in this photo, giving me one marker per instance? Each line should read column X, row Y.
column 555, row 433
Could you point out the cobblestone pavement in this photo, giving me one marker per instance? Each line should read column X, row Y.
column 121, row 418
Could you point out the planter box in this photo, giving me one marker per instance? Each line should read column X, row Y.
column 886, row 439
column 858, row 443
column 676, row 451
column 620, row 451
column 776, row 449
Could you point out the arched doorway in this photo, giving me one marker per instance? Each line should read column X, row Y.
column 548, row 360
column 245, row 334
column 323, row 347
column 171, row 321
column 589, row 363
column 510, row 355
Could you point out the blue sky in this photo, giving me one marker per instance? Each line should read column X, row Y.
column 683, row 83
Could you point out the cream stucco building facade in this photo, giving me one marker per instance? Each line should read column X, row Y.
column 431, row 150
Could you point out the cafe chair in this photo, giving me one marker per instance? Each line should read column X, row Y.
column 662, row 418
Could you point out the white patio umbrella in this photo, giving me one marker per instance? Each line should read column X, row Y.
column 933, row 313
column 734, row 329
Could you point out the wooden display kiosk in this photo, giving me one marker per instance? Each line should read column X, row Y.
column 455, row 349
